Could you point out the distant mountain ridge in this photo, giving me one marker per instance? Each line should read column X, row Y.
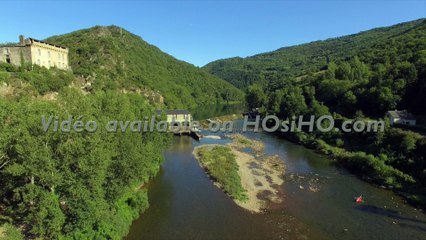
column 309, row 57
column 112, row 57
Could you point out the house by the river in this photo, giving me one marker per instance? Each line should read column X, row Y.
column 401, row 117
column 180, row 116
column 180, row 122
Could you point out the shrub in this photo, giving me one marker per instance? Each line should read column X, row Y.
column 8, row 67
column 4, row 76
column 11, row 232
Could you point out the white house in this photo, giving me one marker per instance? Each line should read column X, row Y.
column 177, row 116
column 401, row 117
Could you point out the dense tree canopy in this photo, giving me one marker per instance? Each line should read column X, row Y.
column 74, row 185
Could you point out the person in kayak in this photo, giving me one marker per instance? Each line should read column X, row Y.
column 359, row 199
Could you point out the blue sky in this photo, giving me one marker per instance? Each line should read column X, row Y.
column 202, row 31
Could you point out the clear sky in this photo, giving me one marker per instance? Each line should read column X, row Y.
column 203, row 31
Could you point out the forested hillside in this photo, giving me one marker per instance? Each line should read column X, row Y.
column 378, row 69
column 113, row 58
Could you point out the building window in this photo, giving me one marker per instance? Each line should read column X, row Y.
column 39, row 52
column 63, row 57
column 38, row 61
column 48, row 63
column 48, row 54
column 6, row 50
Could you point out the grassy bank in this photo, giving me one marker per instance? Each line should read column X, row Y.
column 220, row 163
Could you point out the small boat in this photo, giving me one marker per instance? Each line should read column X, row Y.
column 359, row 199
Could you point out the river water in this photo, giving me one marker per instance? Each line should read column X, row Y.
column 318, row 202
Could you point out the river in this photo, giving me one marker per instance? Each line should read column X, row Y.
column 318, row 202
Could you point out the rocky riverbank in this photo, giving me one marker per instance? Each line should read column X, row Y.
column 260, row 174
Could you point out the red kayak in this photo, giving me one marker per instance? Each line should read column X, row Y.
column 359, row 199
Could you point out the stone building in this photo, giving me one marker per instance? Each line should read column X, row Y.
column 35, row 52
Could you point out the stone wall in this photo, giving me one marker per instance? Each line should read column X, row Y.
column 16, row 54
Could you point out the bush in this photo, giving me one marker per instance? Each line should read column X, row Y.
column 4, row 76
column 340, row 142
column 11, row 232
column 47, row 81
column 8, row 67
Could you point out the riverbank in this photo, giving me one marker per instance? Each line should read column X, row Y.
column 381, row 175
column 220, row 119
column 259, row 175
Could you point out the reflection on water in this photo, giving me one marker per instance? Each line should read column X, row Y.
column 184, row 204
column 182, row 145
column 215, row 110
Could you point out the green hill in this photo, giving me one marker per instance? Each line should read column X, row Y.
column 112, row 57
column 401, row 42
